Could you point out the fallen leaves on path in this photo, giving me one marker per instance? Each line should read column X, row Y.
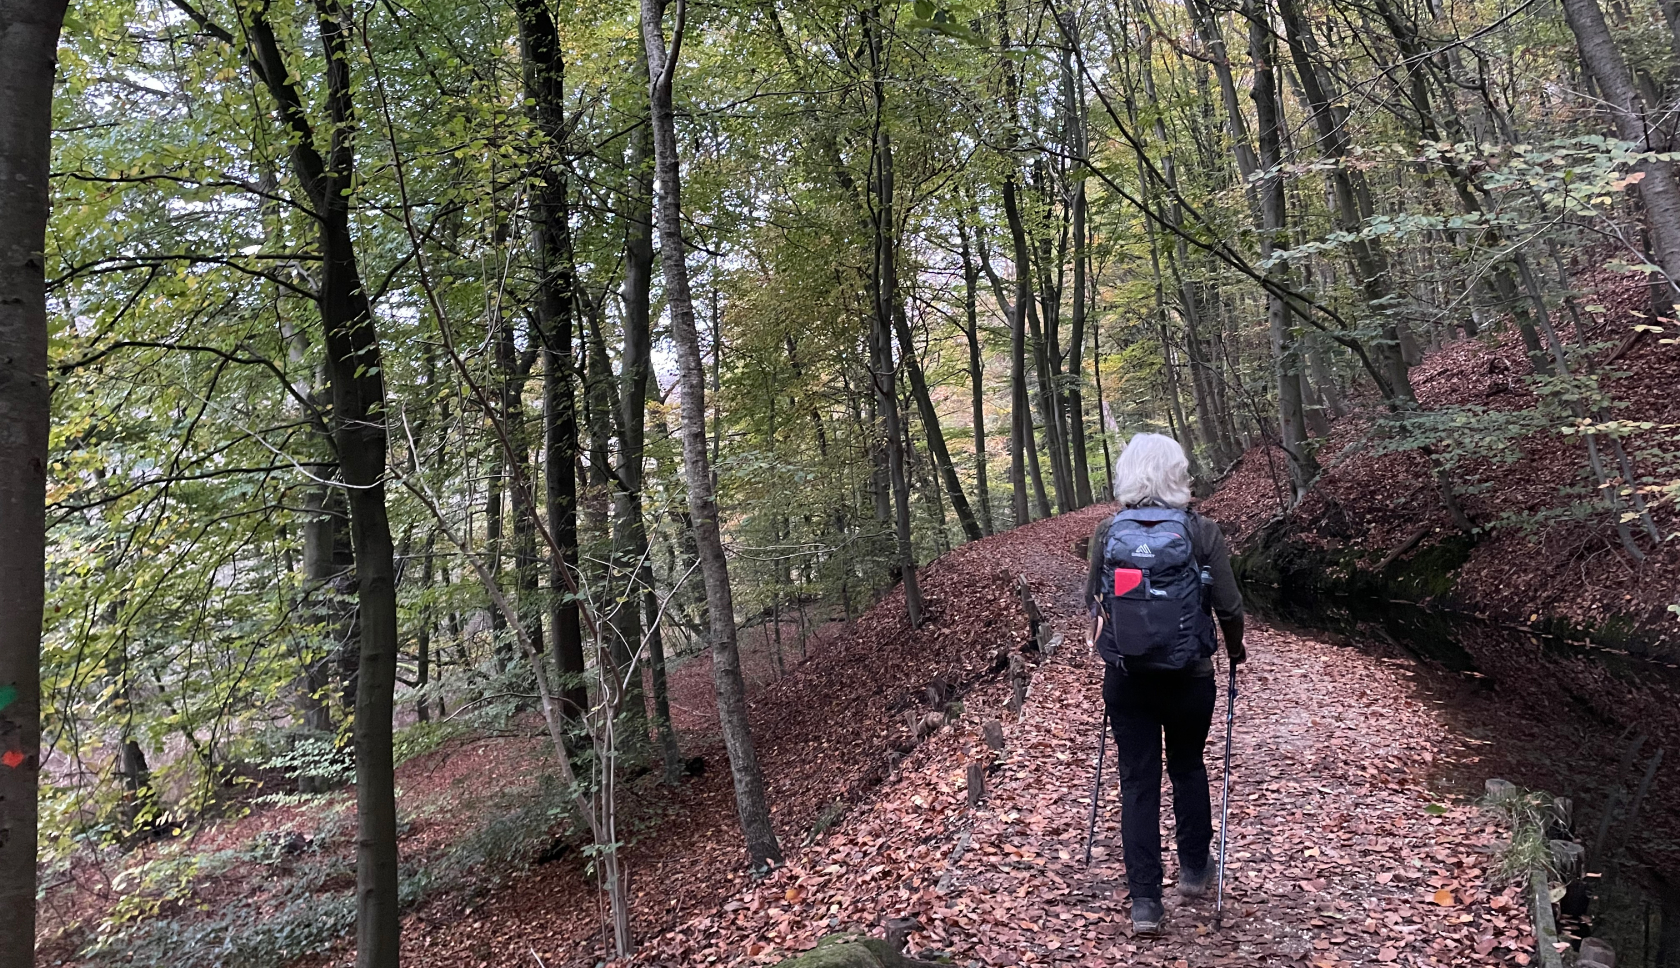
column 1337, row 856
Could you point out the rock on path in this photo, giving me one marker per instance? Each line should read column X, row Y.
column 1338, row 856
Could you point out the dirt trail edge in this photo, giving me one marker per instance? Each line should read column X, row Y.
column 1337, row 855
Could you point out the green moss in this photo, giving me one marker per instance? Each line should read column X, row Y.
column 1432, row 570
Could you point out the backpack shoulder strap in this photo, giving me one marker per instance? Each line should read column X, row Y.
column 1193, row 524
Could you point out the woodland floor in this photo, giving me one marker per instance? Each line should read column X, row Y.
column 1537, row 562
column 1334, row 858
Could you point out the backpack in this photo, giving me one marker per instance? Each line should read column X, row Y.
column 1154, row 596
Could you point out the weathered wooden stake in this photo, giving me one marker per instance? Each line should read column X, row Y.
column 1019, row 676
column 976, row 784
column 898, row 931
column 1036, row 626
column 992, row 731
column 1567, row 856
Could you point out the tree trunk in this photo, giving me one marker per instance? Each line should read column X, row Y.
column 357, row 386
column 1021, row 321
column 1352, row 201
column 494, row 506
column 323, row 510
column 630, row 541
column 1020, row 434
column 28, row 48
column 556, row 282
column 323, row 538
column 1274, row 235
column 750, row 802
column 1658, row 189
column 1049, row 417
column 884, row 375
column 423, row 638
column 1202, row 375
column 526, row 562
column 1236, row 125
column 976, row 378
column 1046, row 348
column 1073, row 113
column 1102, row 414
column 358, row 391
column 930, row 425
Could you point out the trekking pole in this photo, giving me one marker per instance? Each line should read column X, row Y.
column 1096, row 791
column 1225, row 796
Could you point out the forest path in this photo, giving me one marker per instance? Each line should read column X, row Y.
column 1337, row 856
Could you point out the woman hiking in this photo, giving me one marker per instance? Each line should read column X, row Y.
column 1157, row 572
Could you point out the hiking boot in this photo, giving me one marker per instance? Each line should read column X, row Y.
column 1146, row 916
column 1195, row 883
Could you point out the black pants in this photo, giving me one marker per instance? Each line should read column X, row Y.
column 1142, row 707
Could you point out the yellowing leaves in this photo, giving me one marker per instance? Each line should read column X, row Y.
column 1443, row 897
column 1631, row 178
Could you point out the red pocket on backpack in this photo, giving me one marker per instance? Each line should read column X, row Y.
column 1126, row 579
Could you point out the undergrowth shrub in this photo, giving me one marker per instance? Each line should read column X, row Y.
column 422, row 738
column 1526, row 814
column 166, row 918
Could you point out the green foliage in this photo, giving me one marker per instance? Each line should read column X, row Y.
column 1525, row 814
column 315, row 758
column 422, row 738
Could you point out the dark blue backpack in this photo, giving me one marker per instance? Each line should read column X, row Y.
column 1154, row 592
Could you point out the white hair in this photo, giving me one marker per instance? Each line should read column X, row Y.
column 1152, row 467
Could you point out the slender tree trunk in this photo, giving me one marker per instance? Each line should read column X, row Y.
column 1236, row 125
column 1174, row 400
column 1352, row 202
column 357, row 385
column 28, row 58
column 526, row 562
column 884, row 374
column 976, row 379
column 1102, row 412
column 1202, row 376
column 1659, row 189
column 1020, row 434
column 556, row 283
column 323, row 511
column 1033, row 471
column 358, row 390
column 1022, row 321
column 630, row 541
column 1274, row 235
column 320, row 527
column 423, row 638
column 930, row 425
column 1046, row 351
column 1049, row 419
column 1074, row 120
column 618, row 498
column 750, row 801
column 494, row 509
